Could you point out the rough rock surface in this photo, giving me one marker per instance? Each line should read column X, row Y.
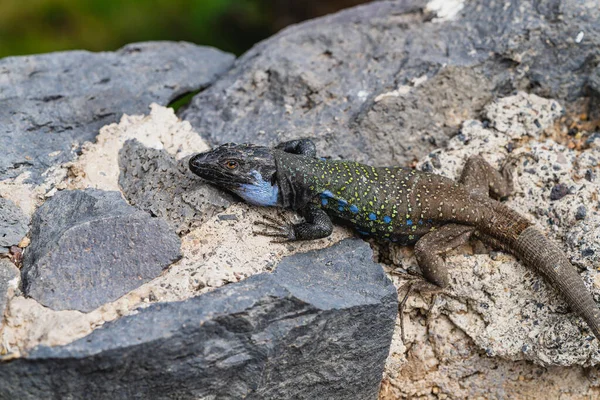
column 9, row 278
column 384, row 84
column 387, row 82
column 154, row 181
column 221, row 251
column 51, row 103
column 497, row 305
column 90, row 247
column 13, row 224
column 319, row 327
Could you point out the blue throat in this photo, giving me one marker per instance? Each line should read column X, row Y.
column 261, row 193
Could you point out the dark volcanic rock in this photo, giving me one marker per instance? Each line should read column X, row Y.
column 8, row 272
column 90, row 247
column 318, row 328
column 13, row 224
column 384, row 83
column 51, row 102
column 155, row 182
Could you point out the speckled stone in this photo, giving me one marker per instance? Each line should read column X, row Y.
column 319, row 327
column 64, row 98
column 90, row 247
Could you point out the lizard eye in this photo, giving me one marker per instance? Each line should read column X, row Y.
column 231, row 164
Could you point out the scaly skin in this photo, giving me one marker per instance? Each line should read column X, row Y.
column 397, row 204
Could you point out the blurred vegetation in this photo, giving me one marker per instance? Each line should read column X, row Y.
column 39, row 26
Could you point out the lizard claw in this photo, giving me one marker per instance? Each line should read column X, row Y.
column 510, row 165
column 415, row 283
column 282, row 231
column 511, row 161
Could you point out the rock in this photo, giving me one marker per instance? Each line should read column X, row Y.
column 319, row 327
column 559, row 191
column 510, row 322
column 215, row 254
column 9, row 278
column 90, row 247
column 581, row 213
column 388, row 82
column 51, row 103
column 154, row 181
column 385, row 83
column 13, row 225
column 522, row 115
column 505, row 311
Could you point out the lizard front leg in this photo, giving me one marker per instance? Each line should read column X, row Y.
column 316, row 225
column 304, row 147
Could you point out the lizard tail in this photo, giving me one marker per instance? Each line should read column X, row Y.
column 544, row 256
column 515, row 234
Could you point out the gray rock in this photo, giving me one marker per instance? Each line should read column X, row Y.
column 157, row 183
column 90, row 247
column 317, row 328
column 8, row 272
column 51, row 103
column 13, row 224
column 383, row 83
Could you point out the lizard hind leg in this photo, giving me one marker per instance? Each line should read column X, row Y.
column 429, row 251
column 430, row 248
column 481, row 179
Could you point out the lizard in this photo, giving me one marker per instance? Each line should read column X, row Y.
column 402, row 205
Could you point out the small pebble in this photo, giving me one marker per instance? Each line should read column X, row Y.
column 559, row 191
column 24, row 242
column 427, row 167
column 589, row 175
column 587, row 253
column 581, row 213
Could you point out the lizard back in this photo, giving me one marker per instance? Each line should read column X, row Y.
column 383, row 202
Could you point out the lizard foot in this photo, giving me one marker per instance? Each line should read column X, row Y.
column 418, row 284
column 511, row 162
column 282, row 231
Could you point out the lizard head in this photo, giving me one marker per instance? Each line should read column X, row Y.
column 244, row 169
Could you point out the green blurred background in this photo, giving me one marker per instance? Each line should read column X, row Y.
column 39, row 26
